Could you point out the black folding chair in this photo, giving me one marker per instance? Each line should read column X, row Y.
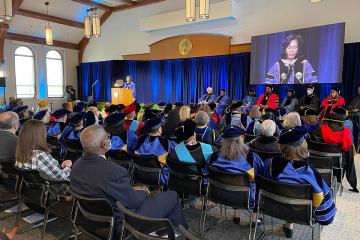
column 265, row 155
column 330, row 150
column 9, row 186
column 229, row 189
column 121, row 158
column 145, row 228
column 324, row 165
column 57, row 202
column 288, row 202
column 189, row 235
column 55, row 147
column 93, row 216
column 187, row 179
column 74, row 150
column 146, row 170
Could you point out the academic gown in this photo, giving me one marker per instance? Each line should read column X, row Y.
column 207, row 98
column 158, row 146
column 56, row 128
column 300, row 172
column 223, row 101
column 328, row 104
column 254, row 128
column 309, row 101
column 251, row 100
column 206, row 135
column 269, row 99
column 252, row 165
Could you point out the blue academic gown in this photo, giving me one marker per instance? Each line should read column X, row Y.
column 223, row 102
column 300, row 172
column 55, row 129
column 253, row 165
column 248, row 100
column 158, row 146
column 254, row 127
column 128, row 144
column 203, row 134
column 132, row 87
column 207, row 98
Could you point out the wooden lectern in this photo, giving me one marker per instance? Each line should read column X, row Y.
column 121, row 96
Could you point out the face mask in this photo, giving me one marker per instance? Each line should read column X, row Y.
column 310, row 91
column 267, row 90
column 108, row 145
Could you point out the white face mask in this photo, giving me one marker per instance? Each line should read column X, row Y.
column 108, row 145
column 310, row 91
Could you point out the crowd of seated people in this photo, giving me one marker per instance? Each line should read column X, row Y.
column 196, row 134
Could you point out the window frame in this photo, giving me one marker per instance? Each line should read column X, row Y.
column 34, row 70
column 63, row 72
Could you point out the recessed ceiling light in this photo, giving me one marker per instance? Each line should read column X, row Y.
column 315, row 1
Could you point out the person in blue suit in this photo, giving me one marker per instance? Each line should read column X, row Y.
column 249, row 101
column 222, row 102
column 234, row 157
column 208, row 97
column 57, row 127
column 94, row 176
column 154, row 144
column 189, row 150
column 293, row 168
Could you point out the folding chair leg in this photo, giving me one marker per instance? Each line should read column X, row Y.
column 18, row 213
column 46, row 217
column 250, row 223
column 76, row 233
column 204, row 210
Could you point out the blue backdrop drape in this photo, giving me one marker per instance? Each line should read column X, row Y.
column 187, row 79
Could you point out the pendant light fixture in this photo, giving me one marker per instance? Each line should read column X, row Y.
column 204, row 9
column 190, row 10
column 48, row 28
column 5, row 10
column 92, row 23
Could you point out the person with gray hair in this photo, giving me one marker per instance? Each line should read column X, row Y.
column 292, row 120
column 267, row 142
column 204, row 133
column 9, row 124
column 208, row 97
column 94, row 176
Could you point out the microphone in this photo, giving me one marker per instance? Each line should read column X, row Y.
column 95, row 83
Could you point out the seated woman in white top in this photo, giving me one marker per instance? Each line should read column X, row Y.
column 32, row 153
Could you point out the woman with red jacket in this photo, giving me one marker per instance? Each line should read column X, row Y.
column 331, row 101
column 268, row 100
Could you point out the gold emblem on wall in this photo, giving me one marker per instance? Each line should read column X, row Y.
column 185, row 46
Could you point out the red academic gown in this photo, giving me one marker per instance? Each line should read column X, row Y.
column 272, row 102
column 325, row 104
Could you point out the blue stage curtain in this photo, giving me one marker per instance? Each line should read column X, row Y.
column 187, row 79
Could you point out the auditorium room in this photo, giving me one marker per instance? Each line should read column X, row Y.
column 179, row 119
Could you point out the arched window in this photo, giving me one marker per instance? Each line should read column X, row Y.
column 24, row 72
column 55, row 74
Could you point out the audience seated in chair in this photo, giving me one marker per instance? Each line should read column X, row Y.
column 310, row 120
column 266, row 142
column 94, row 176
column 152, row 143
column 9, row 124
column 292, row 120
column 57, row 127
column 130, row 123
column 204, row 133
column 253, row 126
column 332, row 131
column 234, row 157
column 293, row 168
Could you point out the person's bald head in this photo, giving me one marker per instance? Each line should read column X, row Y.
column 94, row 139
column 9, row 121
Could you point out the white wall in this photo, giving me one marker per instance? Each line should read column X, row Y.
column 121, row 33
column 70, row 76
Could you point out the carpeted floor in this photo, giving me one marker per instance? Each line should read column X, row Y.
column 345, row 226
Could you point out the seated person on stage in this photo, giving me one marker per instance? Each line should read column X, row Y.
column 234, row 117
column 292, row 120
column 154, row 144
column 254, row 121
column 189, row 150
column 23, row 112
column 310, row 100
column 269, row 99
column 94, row 176
column 222, row 102
column 331, row 101
column 204, row 133
column 9, row 124
column 249, row 101
column 235, row 157
column 354, row 106
column 208, row 97
column 32, row 153
column 310, row 120
column 289, row 103
column 293, row 168
column 130, row 123
column 44, row 116
column 266, row 142
column 57, row 127
column 334, row 132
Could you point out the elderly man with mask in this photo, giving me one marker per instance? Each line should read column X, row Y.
column 94, row 176
column 208, row 97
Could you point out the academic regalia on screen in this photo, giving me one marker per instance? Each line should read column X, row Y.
column 299, row 72
column 300, row 172
column 252, row 165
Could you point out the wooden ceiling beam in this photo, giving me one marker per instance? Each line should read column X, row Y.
column 41, row 16
column 94, row 4
column 16, row 6
column 38, row 40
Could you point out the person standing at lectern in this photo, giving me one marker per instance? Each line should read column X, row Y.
column 129, row 84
